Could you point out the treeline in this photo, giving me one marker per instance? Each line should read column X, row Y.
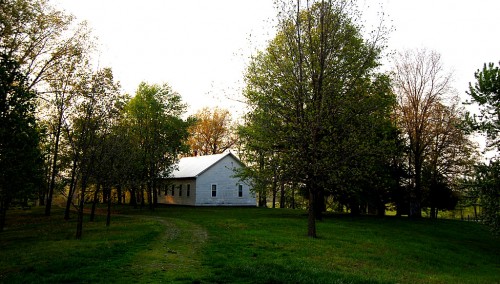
column 325, row 130
column 67, row 130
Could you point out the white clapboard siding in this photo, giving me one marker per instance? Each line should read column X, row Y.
column 201, row 173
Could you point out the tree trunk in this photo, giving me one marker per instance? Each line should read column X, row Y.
column 142, row 196
column 354, row 206
column 262, row 198
column 108, row 215
column 52, row 185
column 133, row 197
column 79, row 223
column 282, row 194
column 275, row 186
column 433, row 212
column 94, row 203
column 155, row 193
column 119, row 193
column 262, row 190
column 149, row 193
column 71, row 192
column 319, row 206
column 311, row 220
column 416, row 197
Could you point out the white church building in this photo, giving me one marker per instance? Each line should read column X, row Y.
column 207, row 181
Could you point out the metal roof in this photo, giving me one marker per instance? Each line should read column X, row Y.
column 190, row 167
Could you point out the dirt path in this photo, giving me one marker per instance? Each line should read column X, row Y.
column 175, row 255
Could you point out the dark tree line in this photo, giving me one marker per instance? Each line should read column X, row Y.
column 66, row 128
column 326, row 129
column 20, row 157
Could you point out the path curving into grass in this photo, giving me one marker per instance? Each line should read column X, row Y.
column 243, row 245
column 175, row 255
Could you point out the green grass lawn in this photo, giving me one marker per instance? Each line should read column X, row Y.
column 244, row 245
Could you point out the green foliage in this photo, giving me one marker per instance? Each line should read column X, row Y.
column 319, row 110
column 40, row 37
column 487, row 183
column 20, row 160
column 485, row 94
column 153, row 118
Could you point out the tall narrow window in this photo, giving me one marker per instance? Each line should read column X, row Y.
column 214, row 190
column 188, row 190
column 240, row 190
column 165, row 188
column 173, row 189
column 180, row 190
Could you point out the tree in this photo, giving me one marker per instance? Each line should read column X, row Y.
column 92, row 123
column 307, row 94
column 451, row 154
column 38, row 37
column 65, row 86
column 485, row 94
column 421, row 84
column 212, row 133
column 487, row 184
column 45, row 42
column 153, row 116
column 20, row 160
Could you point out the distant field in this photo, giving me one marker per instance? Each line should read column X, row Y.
column 244, row 245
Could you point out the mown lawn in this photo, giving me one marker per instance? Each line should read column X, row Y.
column 244, row 245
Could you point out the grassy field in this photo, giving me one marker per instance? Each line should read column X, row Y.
column 244, row 245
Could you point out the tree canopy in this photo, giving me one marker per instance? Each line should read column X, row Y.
column 485, row 93
column 20, row 159
column 312, row 92
column 213, row 132
column 153, row 117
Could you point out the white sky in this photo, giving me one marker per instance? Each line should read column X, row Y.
column 200, row 48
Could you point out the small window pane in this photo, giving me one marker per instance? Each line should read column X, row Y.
column 180, row 190
column 214, row 190
column 188, row 190
column 240, row 190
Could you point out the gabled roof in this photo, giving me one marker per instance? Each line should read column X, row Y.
column 191, row 167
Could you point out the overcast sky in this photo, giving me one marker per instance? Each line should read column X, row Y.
column 200, row 48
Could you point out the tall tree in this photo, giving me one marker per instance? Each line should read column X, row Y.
column 451, row 154
column 38, row 36
column 421, row 84
column 45, row 42
column 213, row 132
column 485, row 94
column 487, row 184
column 154, row 118
column 92, row 122
column 20, row 161
column 304, row 89
column 61, row 94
